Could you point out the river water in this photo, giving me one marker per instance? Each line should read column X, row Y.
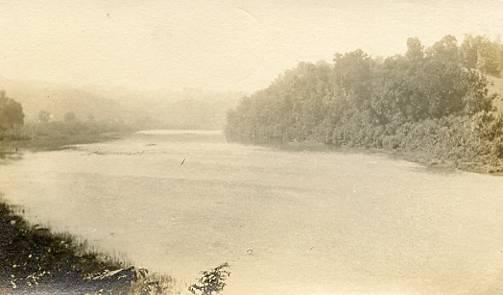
column 287, row 222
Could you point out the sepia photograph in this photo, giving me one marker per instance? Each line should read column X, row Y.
column 258, row 147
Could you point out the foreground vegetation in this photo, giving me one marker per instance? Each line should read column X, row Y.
column 431, row 104
column 34, row 260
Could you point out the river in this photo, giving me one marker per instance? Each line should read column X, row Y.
column 288, row 222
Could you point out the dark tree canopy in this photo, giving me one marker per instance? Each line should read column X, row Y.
column 362, row 101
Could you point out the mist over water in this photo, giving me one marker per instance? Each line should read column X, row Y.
column 287, row 222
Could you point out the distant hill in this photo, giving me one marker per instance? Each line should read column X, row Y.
column 185, row 109
column 190, row 108
column 58, row 100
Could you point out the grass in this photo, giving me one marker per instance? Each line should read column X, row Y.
column 34, row 260
column 58, row 135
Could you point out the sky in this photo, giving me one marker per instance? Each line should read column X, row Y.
column 216, row 45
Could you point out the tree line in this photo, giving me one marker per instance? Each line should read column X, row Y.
column 47, row 132
column 431, row 99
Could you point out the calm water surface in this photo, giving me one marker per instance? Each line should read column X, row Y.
column 287, row 222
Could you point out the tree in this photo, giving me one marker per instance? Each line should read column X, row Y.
column 358, row 100
column 488, row 58
column 469, row 51
column 11, row 113
column 353, row 72
column 478, row 52
column 415, row 50
column 446, row 49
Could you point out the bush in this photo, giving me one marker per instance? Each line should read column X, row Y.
column 212, row 281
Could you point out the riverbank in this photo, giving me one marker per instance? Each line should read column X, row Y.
column 35, row 260
column 423, row 158
column 11, row 147
column 440, row 163
column 58, row 135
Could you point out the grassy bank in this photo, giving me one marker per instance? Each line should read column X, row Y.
column 58, row 135
column 33, row 260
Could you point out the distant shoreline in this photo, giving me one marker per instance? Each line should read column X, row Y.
column 421, row 158
column 57, row 143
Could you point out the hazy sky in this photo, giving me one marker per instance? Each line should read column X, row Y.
column 234, row 45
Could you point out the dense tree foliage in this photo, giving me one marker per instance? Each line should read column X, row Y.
column 432, row 98
column 11, row 113
column 481, row 53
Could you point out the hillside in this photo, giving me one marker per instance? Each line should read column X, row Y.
column 187, row 109
column 192, row 114
column 58, row 100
